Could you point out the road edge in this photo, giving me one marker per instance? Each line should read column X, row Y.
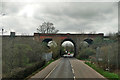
column 52, row 70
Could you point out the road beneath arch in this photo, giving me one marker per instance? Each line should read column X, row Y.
column 68, row 69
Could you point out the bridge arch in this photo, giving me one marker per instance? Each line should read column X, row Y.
column 69, row 39
column 46, row 40
column 89, row 41
column 49, row 41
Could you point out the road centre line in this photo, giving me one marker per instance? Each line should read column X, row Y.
column 72, row 70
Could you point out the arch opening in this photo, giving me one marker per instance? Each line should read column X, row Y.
column 89, row 41
column 68, row 48
column 49, row 42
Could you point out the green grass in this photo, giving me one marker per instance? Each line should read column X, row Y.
column 30, row 64
column 46, row 64
column 84, row 59
column 109, row 75
column 87, row 59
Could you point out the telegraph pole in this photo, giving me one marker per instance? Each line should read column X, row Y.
column 3, row 14
column 2, row 31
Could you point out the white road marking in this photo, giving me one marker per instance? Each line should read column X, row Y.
column 72, row 70
column 71, row 66
column 51, row 71
column 74, row 77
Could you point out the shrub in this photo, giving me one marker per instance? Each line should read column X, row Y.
column 55, row 52
column 111, row 76
column 21, row 73
column 109, row 54
column 19, row 52
column 85, row 53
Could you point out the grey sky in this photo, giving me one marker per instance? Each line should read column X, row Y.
column 74, row 17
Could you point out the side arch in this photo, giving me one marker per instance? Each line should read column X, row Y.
column 46, row 40
column 89, row 41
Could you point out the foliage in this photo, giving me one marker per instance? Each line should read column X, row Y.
column 47, row 27
column 45, row 65
column 106, row 52
column 19, row 52
column 109, row 54
column 85, row 53
column 84, row 44
column 98, row 41
column 21, row 73
column 62, row 50
column 55, row 51
column 111, row 76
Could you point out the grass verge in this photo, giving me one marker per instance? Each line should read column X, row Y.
column 46, row 64
column 108, row 75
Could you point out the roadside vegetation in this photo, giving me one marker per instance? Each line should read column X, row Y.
column 46, row 64
column 21, row 56
column 107, row 74
column 55, row 52
column 103, row 53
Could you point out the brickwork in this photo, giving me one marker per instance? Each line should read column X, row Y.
column 59, row 38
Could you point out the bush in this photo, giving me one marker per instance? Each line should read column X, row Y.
column 109, row 52
column 21, row 54
column 55, row 52
column 85, row 53
column 111, row 76
column 21, row 73
column 18, row 53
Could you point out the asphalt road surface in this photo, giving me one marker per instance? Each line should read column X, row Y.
column 68, row 69
column 62, row 70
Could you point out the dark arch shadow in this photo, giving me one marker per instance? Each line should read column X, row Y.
column 89, row 41
column 45, row 41
column 68, row 39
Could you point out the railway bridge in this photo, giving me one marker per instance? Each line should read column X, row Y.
column 76, row 39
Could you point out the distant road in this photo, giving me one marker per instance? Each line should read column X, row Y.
column 68, row 69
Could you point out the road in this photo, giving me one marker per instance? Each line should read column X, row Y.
column 68, row 69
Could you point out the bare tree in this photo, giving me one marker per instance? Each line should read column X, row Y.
column 47, row 27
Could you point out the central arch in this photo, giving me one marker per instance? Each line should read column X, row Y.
column 68, row 39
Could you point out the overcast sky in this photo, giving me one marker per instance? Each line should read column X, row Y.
column 74, row 17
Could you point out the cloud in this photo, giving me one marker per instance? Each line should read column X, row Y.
column 66, row 16
column 61, row 0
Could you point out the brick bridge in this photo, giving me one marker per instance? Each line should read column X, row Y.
column 76, row 39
